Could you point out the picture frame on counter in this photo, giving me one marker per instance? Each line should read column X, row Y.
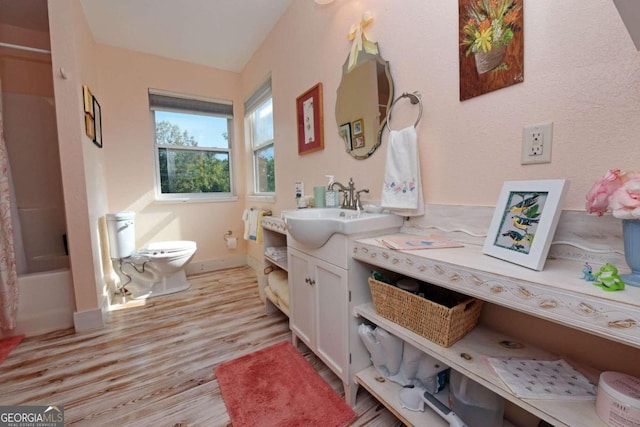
column 524, row 221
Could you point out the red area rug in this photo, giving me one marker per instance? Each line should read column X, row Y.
column 8, row 344
column 276, row 386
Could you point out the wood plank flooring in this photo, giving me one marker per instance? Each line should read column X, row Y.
column 153, row 364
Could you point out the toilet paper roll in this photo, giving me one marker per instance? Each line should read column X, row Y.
column 232, row 242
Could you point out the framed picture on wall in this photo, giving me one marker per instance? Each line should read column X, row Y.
column 524, row 221
column 88, row 100
column 97, row 120
column 310, row 120
column 89, row 126
column 490, row 50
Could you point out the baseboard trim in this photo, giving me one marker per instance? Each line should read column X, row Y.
column 88, row 320
column 216, row 264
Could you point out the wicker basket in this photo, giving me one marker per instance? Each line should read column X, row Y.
column 444, row 322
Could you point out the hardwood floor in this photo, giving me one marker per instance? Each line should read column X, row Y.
column 153, row 363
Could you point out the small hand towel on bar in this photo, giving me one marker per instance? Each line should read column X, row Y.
column 401, row 190
column 247, row 224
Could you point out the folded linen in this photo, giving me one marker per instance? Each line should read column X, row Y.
column 276, row 253
column 276, row 250
column 401, row 189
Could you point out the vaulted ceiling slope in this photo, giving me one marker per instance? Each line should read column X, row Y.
column 219, row 33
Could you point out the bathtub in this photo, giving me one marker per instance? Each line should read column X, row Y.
column 46, row 303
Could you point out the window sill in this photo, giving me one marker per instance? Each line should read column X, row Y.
column 195, row 200
column 261, row 198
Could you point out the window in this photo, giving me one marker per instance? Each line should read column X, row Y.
column 193, row 147
column 259, row 125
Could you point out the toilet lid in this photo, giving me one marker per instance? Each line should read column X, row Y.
column 168, row 247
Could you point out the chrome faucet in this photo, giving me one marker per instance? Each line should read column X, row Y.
column 351, row 197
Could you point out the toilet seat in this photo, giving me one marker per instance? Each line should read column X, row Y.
column 167, row 248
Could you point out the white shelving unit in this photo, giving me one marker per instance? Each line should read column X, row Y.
column 274, row 234
column 556, row 294
column 467, row 356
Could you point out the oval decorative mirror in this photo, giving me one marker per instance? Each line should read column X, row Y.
column 363, row 99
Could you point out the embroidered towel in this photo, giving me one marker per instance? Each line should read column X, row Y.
column 401, row 189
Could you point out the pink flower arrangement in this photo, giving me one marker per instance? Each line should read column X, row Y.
column 617, row 192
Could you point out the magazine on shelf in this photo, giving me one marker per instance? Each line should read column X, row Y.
column 406, row 242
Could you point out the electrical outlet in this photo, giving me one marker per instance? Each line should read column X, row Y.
column 536, row 144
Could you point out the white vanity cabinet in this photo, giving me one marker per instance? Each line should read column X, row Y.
column 325, row 289
column 557, row 294
column 319, row 308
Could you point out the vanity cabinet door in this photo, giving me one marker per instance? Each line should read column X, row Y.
column 332, row 322
column 319, row 308
column 302, row 307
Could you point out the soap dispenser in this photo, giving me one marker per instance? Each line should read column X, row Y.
column 332, row 199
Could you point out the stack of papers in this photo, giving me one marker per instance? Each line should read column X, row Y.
column 543, row 379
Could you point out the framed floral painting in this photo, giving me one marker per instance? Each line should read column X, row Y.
column 491, row 47
column 310, row 120
column 524, row 221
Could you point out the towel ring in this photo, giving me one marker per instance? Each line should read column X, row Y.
column 414, row 98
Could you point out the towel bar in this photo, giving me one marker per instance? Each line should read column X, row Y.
column 414, row 98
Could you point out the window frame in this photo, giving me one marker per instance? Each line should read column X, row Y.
column 259, row 97
column 186, row 99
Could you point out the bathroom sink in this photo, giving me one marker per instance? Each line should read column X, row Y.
column 313, row 227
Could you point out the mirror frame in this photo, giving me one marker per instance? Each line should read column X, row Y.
column 364, row 56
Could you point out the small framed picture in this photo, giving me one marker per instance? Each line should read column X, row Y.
column 310, row 120
column 345, row 133
column 358, row 142
column 89, row 126
column 524, row 221
column 358, row 127
column 97, row 120
column 88, row 100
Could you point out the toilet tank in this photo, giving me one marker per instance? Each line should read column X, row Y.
column 122, row 235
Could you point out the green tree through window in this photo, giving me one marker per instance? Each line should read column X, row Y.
column 193, row 146
column 189, row 171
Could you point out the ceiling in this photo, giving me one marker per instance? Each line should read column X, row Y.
column 218, row 33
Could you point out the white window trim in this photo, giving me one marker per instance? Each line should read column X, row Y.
column 257, row 98
column 192, row 197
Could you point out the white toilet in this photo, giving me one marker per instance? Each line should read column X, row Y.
column 156, row 269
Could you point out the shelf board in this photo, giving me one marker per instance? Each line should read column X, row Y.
column 282, row 264
column 476, row 346
column 387, row 392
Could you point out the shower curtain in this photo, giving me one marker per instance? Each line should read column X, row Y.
column 8, row 276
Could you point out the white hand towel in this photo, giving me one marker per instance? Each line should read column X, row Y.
column 254, row 218
column 401, row 189
column 245, row 219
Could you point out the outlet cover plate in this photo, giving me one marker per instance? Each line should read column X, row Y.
column 536, row 144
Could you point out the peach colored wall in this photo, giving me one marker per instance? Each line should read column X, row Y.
column 125, row 78
column 581, row 71
column 73, row 50
column 30, row 147
column 24, row 36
